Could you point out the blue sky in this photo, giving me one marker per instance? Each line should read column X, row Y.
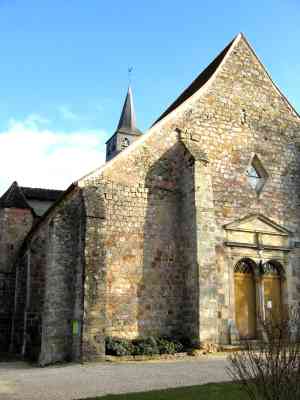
column 64, row 70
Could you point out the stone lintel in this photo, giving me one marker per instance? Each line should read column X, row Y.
column 255, row 246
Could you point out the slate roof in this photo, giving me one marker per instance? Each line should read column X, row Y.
column 201, row 79
column 127, row 123
column 41, row 194
column 14, row 198
column 24, row 197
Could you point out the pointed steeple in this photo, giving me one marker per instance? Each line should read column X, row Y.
column 14, row 198
column 127, row 123
column 127, row 131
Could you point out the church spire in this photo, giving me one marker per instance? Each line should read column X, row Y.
column 127, row 123
column 127, row 131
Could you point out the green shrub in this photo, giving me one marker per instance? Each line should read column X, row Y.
column 146, row 347
column 118, row 347
column 169, row 346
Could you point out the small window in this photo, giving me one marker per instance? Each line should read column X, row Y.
column 256, row 174
column 125, row 143
column 253, row 176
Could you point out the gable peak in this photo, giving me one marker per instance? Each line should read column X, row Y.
column 14, row 198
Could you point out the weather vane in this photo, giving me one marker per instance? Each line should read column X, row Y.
column 129, row 75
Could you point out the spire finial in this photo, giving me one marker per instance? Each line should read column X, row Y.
column 130, row 69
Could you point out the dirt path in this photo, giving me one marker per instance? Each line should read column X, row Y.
column 19, row 381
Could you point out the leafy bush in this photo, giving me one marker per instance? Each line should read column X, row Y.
column 168, row 346
column 118, row 347
column 145, row 347
column 149, row 346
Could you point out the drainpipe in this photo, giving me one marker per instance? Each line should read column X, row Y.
column 26, row 303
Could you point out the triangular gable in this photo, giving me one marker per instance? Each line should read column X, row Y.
column 211, row 71
column 197, row 88
column 257, row 223
column 14, row 198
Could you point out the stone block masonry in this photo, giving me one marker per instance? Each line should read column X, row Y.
column 161, row 206
column 14, row 226
column 7, row 286
column 145, row 245
column 63, row 299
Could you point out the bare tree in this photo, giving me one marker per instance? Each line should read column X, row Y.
column 270, row 368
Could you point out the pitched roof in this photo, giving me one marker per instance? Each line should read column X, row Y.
column 127, row 123
column 14, row 198
column 201, row 79
column 35, row 199
column 41, row 194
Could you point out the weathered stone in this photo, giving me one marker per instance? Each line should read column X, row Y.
column 147, row 245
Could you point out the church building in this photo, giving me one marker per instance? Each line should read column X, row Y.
column 191, row 229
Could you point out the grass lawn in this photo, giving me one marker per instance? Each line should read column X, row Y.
column 211, row 391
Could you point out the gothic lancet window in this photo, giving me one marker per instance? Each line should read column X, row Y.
column 256, row 174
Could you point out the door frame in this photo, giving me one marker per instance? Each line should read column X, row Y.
column 259, row 260
column 252, row 265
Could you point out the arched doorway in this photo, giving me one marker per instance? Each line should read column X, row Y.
column 272, row 290
column 245, row 298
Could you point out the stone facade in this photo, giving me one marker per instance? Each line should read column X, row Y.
column 237, row 114
column 147, row 245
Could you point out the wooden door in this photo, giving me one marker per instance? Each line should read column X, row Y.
column 272, row 297
column 245, row 304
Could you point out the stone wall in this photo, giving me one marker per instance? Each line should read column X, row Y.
column 7, row 281
column 48, row 313
column 14, row 225
column 238, row 114
column 63, row 296
column 18, row 315
column 30, row 292
column 144, row 282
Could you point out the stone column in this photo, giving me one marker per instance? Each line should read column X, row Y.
column 206, row 253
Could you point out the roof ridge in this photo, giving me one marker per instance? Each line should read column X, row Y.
column 31, row 193
column 39, row 188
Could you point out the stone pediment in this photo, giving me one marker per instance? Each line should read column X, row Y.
column 257, row 231
column 257, row 223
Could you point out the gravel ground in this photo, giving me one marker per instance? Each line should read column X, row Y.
column 73, row 381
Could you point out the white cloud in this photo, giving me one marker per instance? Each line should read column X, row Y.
column 36, row 156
